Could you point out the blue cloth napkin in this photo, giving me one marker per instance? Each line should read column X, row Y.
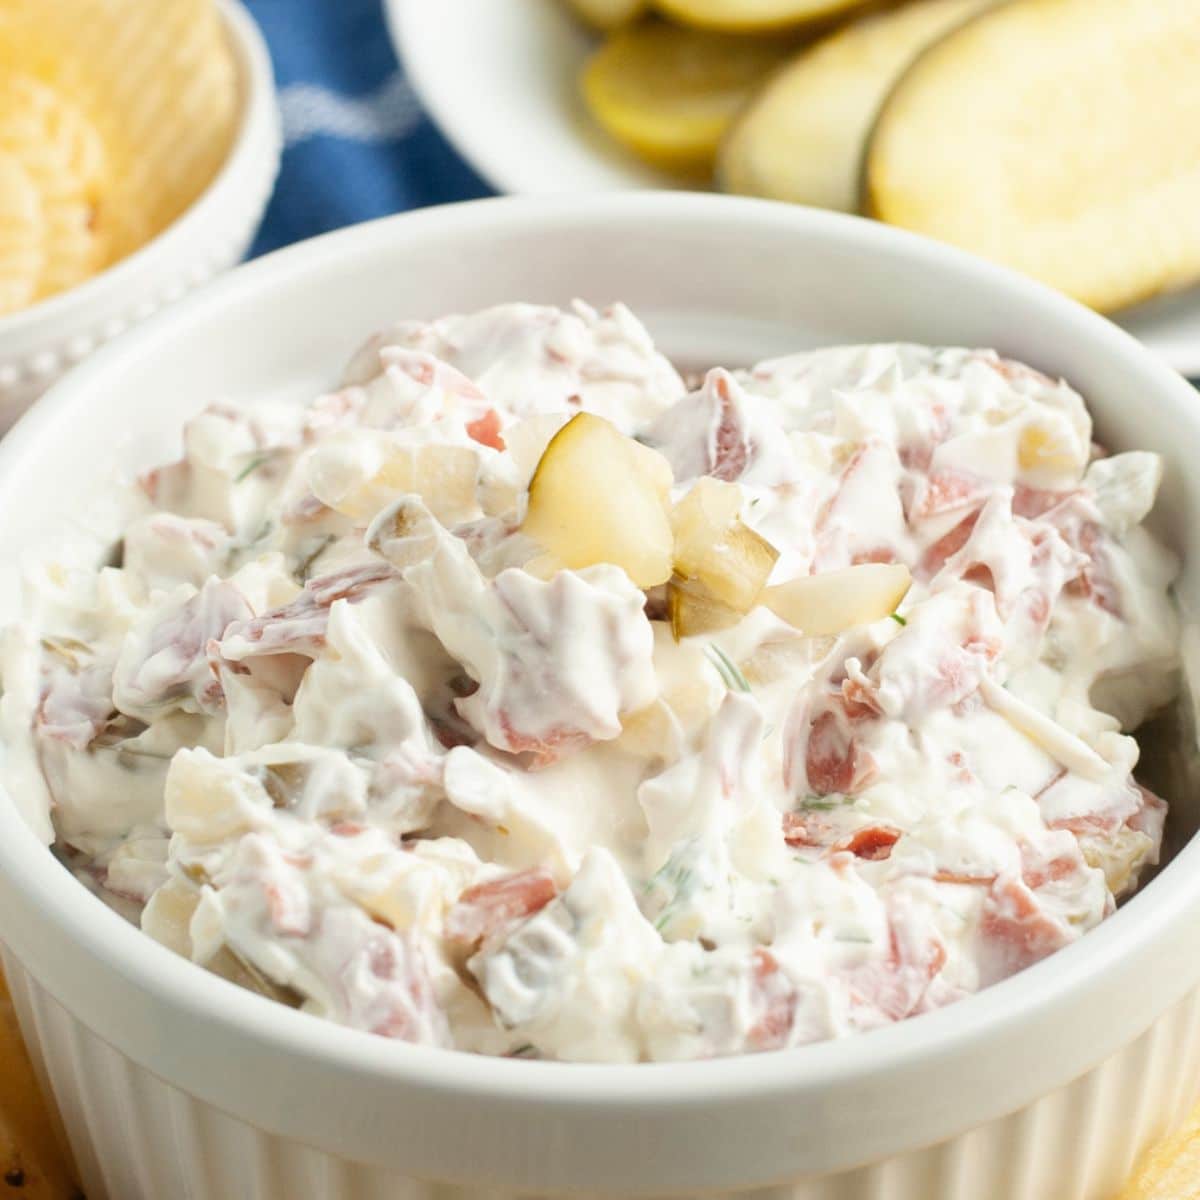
column 356, row 142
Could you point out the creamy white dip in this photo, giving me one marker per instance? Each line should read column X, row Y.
column 424, row 791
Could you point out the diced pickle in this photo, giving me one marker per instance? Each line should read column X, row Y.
column 694, row 610
column 600, row 497
column 715, row 551
column 833, row 601
column 1121, row 857
column 1049, row 448
column 360, row 485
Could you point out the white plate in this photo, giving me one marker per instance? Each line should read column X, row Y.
column 499, row 78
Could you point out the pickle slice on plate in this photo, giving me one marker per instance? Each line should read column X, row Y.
column 1057, row 138
column 669, row 94
column 802, row 137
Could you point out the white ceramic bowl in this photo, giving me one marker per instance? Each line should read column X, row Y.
column 176, row 1083
column 39, row 343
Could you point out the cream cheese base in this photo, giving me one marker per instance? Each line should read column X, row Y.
column 427, row 793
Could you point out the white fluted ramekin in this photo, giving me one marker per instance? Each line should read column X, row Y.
column 176, row 1083
column 38, row 344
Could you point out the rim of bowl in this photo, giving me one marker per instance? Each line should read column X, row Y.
column 256, row 85
column 1051, row 989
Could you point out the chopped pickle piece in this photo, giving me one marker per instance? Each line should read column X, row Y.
column 1121, row 857
column 1047, row 448
column 694, row 610
column 820, row 605
column 715, row 551
column 358, row 485
column 656, row 470
column 600, row 497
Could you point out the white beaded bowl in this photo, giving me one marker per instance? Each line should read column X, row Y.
column 39, row 343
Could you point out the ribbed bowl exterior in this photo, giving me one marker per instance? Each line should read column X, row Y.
column 135, row 1137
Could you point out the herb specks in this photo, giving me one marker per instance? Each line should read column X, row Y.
column 728, row 670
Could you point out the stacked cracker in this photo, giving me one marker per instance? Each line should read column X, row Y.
column 114, row 116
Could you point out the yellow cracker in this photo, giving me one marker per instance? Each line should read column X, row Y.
column 160, row 84
column 182, row 114
column 75, row 248
column 155, row 91
column 56, row 143
column 1170, row 1170
column 22, row 235
column 64, row 158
